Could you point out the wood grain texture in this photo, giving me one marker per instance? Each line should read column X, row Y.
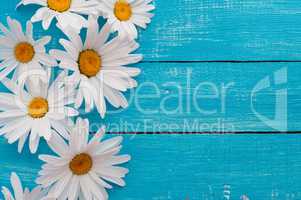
column 197, row 97
column 224, row 30
column 189, row 30
column 195, row 167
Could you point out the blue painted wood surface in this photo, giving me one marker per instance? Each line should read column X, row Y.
column 211, row 29
column 201, row 97
column 202, row 167
column 195, row 167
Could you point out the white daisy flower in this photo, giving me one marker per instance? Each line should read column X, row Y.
column 19, row 193
column 33, row 110
column 99, row 66
column 83, row 167
column 19, row 52
column 67, row 12
column 125, row 14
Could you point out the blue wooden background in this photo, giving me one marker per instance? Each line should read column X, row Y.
column 229, row 45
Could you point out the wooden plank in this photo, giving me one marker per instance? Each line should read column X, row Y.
column 188, row 30
column 224, row 30
column 198, row 97
column 193, row 167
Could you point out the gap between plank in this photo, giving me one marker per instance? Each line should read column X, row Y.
column 208, row 133
column 224, row 61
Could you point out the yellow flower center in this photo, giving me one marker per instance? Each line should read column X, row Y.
column 89, row 62
column 81, row 164
column 24, row 52
column 59, row 5
column 38, row 107
column 123, row 10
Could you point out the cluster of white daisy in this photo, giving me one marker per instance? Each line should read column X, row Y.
column 89, row 73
